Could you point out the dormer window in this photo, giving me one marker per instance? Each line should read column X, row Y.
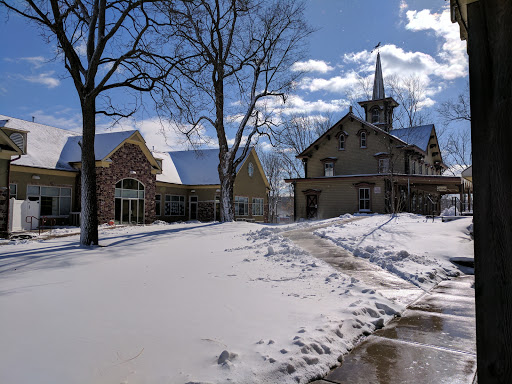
column 363, row 139
column 375, row 115
column 329, row 168
column 341, row 146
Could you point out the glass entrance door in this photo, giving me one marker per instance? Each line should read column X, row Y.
column 129, row 202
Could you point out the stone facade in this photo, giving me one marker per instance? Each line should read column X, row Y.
column 127, row 162
column 205, row 210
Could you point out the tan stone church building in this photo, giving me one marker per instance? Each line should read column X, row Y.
column 366, row 166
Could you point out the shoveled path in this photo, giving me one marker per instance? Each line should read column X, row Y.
column 389, row 285
column 433, row 341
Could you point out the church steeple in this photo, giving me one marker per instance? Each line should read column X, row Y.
column 379, row 110
column 378, row 81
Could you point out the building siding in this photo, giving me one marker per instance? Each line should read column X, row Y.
column 339, row 196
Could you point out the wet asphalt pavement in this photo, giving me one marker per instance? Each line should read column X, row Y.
column 433, row 342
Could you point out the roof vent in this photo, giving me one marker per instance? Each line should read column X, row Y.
column 18, row 139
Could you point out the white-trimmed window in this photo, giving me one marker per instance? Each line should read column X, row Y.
column 329, row 168
column 341, row 143
column 363, row 139
column 174, row 205
column 257, row 206
column 13, row 191
column 241, row 206
column 384, row 165
column 158, row 205
column 364, row 199
column 54, row 201
column 250, row 169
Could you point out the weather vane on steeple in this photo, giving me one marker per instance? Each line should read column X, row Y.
column 376, row 48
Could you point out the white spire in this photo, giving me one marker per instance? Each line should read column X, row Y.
column 378, row 82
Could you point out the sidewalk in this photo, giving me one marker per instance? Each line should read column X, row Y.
column 433, row 342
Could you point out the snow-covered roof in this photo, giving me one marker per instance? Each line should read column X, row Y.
column 192, row 167
column 44, row 144
column 104, row 144
column 418, row 136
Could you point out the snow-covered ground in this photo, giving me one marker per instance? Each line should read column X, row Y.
column 197, row 303
column 411, row 246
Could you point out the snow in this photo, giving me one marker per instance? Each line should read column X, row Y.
column 162, row 303
column 415, row 248
column 104, row 144
column 202, row 302
column 195, row 167
column 44, row 144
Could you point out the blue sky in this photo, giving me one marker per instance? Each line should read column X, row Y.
column 417, row 38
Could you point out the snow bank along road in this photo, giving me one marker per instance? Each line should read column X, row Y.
column 181, row 303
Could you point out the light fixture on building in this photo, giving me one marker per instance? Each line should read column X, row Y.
column 36, row 177
column 133, row 172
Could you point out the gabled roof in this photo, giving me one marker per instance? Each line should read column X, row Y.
column 329, row 132
column 44, row 144
column 418, row 136
column 104, row 145
column 193, row 167
column 55, row 148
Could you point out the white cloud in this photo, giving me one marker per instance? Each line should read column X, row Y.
column 453, row 56
column 45, row 78
column 312, row 66
column 338, row 84
column 160, row 135
column 36, row 61
column 65, row 119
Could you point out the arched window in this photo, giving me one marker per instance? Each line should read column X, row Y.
column 342, row 143
column 375, row 115
column 129, row 202
column 363, row 139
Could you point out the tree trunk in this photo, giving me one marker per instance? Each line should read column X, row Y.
column 89, row 214
column 226, row 195
column 490, row 68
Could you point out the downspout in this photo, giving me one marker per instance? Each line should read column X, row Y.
column 9, row 189
column 294, row 201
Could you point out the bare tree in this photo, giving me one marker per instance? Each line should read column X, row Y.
column 242, row 50
column 297, row 133
column 272, row 165
column 456, row 110
column 117, row 54
column 410, row 92
column 361, row 91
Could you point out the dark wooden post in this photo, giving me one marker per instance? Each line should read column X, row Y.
column 490, row 73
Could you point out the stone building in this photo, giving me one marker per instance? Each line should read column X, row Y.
column 40, row 178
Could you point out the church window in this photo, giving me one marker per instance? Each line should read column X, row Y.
column 363, row 139
column 342, row 143
column 375, row 115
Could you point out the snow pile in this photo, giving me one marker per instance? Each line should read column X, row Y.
column 448, row 211
column 190, row 302
column 408, row 245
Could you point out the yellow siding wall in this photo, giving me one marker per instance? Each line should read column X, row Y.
column 250, row 187
column 354, row 160
column 339, row 196
column 22, row 179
